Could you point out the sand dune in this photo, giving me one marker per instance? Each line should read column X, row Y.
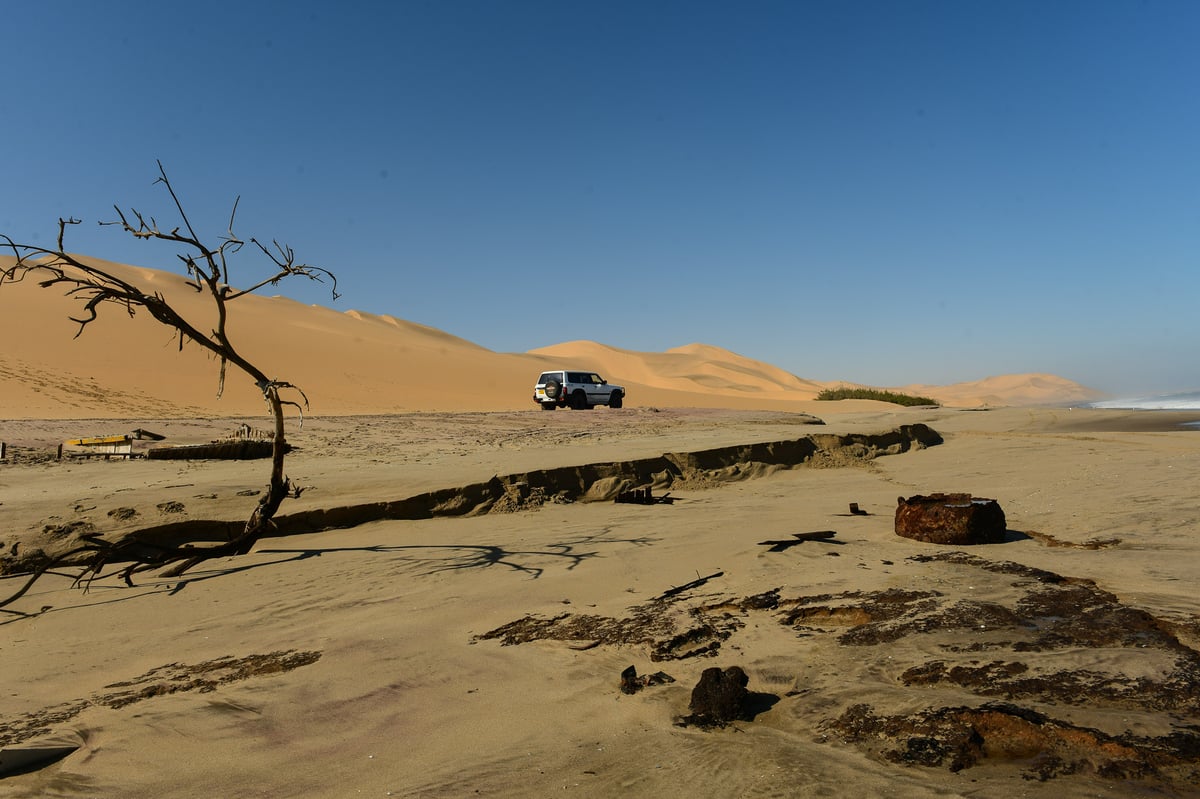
column 351, row 362
column 1023, row 389
column 696, row 367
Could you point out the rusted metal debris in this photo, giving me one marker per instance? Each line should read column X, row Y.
column 244, row 443
column 643, row 496
column 779, row 545
column 957, row 519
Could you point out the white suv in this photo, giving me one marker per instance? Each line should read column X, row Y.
column 579, row 390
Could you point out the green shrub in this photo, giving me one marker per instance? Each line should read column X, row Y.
column 845, row 392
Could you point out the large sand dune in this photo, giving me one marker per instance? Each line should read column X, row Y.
column 349, row 362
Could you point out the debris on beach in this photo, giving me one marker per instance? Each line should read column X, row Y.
column 721, row 698
column 112, row 446
column 957, row 519
column 643, row 496
column 632, row 682
column 245, row 443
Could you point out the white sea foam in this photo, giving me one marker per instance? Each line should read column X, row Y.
column 1186, row 401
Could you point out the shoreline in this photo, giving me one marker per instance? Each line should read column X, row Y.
column 1133, row 420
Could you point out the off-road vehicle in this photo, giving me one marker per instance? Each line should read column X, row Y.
column 575, row 389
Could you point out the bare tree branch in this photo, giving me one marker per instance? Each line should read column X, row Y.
column 208, row 273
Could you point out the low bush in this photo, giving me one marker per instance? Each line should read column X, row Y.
column 845, row 392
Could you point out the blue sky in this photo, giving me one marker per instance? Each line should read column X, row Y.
column 882, row 192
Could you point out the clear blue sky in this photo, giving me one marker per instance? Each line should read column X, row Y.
column 884, row 192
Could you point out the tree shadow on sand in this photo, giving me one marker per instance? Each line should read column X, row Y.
column 456, row 557
column 428, row 559
column 436, row 558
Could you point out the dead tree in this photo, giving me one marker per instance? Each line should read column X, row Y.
column 208, row 273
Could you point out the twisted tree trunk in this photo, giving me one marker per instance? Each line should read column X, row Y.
column 208, row 270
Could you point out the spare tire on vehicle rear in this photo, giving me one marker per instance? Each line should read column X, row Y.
column 553, row 388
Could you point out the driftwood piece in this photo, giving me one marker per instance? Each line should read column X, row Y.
column 699, row 581
column 779, row 545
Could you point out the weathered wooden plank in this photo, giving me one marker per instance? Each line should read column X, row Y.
column 97, row 441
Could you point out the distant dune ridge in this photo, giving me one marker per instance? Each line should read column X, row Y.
column 353, row 362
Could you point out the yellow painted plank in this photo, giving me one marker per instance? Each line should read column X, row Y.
column 92, row 442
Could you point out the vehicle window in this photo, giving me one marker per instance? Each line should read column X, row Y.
column 575, row 377
column 597, row 379
column 546, row 378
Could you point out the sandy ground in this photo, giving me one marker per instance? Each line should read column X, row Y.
column 379, row 660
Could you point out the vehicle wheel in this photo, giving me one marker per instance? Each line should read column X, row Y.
column 615, row 400
column 553, row 388
column 549, row 406
column 579, row 401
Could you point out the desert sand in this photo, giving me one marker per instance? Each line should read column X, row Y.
column 410, row 634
